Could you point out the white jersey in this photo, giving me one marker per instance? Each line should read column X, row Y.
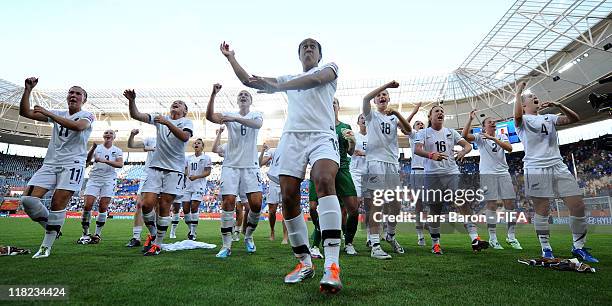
column 270, row 153
column 417, row 162
column 382, row 137
column 241, row 150
column 311, row 110
column 102, row 172
column 492, row 156
column 539, row 136
column 169, row 151
column 149, row 143
column 68, row 147
column 442, row 141
column 196, row 166
column 358, row 163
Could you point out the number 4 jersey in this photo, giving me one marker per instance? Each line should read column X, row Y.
column 539, row 136
column 68, row 147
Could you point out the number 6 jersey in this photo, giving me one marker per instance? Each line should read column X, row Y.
column 68, row 147
column 442, row 141
column 241, row 150
column 539, row 136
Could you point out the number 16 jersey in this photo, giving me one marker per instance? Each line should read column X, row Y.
column 442, row 141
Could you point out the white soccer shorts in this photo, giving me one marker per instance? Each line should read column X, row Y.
column 240, row 181
column 553, row 181
column 497, row 187
column 357, row 182
column 381, row 176
column 274, row 193
column 296, row 150
column 100, row 189
column 163, row 181
column 59, row 177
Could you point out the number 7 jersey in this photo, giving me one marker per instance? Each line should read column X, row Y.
column 539, row 136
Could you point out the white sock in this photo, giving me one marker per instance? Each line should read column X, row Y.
column 54, row 225
column 471, row 229
column 35, row 210
column 297, row 231
column 149, row 221
column 419, row 230
column 330, row 222
column 511, row 224
column 578, row 225
column 542, row 230
column 374, row 239
column 176, row 218
column 100, row 221
column 162, row 227
column 136, row 230
column 434, row 232
column 227, row 223
column 85, row 219
column 492, row 224
column 195, row 218
column 252, row 221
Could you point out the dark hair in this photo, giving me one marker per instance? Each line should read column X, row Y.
column 485, row 120
column 359, row 116
column 318, row 45
column 429, row 115
column 84, row 91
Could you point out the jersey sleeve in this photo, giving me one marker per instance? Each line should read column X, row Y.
column 206, row 162
column 119, row 153
column 152, row 118
column 419, row 137
column 456, row 136
column 333, row 67
column 553, row 118
column 478, row 139
column 188, row 126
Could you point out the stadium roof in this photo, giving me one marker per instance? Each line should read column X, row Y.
column 535, row 40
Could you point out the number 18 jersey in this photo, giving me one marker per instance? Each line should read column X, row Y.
column 382, row 137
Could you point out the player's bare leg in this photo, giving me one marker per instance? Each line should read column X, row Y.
column 272, row 219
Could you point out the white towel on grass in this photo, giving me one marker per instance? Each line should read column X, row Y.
column 186, row 245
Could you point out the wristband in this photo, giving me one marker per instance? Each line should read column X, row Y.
column 430, row 155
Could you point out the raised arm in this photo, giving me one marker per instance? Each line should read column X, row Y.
column 210, row 109
column 242, row 75
column 130, row 94
column 373, row 93
column 216, row 147
column 518, row 104
column 263, row 160
column 90, row 154
column 24, row 106
column 133, row 144
column 415, row 110
column 570, row 116
column 466, row 129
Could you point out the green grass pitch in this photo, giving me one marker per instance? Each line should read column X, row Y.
column 111, row 274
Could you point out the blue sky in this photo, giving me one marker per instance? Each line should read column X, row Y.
column 121, row 44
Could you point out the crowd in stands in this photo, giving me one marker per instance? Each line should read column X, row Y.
column 593, row 167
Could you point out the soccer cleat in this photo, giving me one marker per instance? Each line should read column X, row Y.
column 224, row 253
column 95, row 239
column 514, row 243
column 397, row 248
column 250, row 245
column 330, row 282
column 43, row 252
column 148, row 243
column 479, row 245
column 378, row 253
column 495, row 244
column 350, row 249
column 153, row 250
column 316, row 253
column 191, row 237
column 547, row 253
column 299, row 274
column 584, row 255
column 133, row 243
column 236, row 236
column 421, row 242
column 436, row 249
column 369, row 243
column 85, row 239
